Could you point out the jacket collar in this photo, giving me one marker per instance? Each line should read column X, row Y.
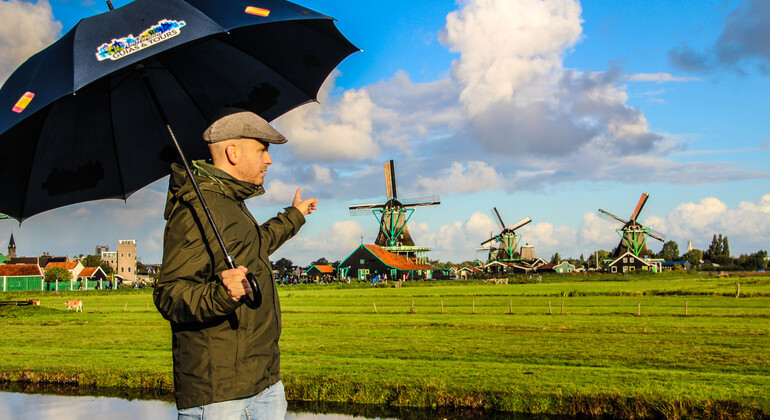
column 206, row 173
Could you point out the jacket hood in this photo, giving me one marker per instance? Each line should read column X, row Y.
column 210, row 178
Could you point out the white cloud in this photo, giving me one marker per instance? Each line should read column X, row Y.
column 747, row 226
column 659, row 78
column 509, row 48
column 25, row 29
column 334, row 243
column 477, row 176
column 321, row 174
column 332, row 130
column 277, row 191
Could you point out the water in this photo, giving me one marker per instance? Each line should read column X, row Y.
column 71, row 403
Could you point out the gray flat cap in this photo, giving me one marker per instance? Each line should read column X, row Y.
column 236, row 123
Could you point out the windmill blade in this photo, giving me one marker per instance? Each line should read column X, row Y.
column 521, row 223
column 502, row 225
column 432, row 200
column 390, row 180
column 607, row 214
column 363, row 209
column 638, row 209
column 657, row 235
column 489, row 242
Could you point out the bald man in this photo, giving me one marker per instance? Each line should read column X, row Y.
column 226, row 355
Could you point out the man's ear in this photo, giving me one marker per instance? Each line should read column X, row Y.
column 233, row 153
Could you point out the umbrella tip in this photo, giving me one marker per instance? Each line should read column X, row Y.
column 109, row 4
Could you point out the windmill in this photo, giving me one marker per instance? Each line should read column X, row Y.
column 393, row 214
column 507, row 238
column 633, row 236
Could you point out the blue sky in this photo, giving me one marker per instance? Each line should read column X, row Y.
column 549, row 109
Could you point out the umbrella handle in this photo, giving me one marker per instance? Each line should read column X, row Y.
column 256, row 291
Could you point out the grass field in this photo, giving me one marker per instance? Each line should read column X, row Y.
column 494, row 347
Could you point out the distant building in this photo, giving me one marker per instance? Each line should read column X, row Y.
column 629, row 262
column 92, row 273
column 21, row 277
column 369, row 261
column 527, row 253
column 564, row 267
column 12, row 248
column 72, row 266
column 321, row 271
column 98, row 249
column 126, row 265
column 111, row 258
column 40, row 261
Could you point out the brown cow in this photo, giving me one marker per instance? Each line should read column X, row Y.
column 75, row 303
column 35, row 302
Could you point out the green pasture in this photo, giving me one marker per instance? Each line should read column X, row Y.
column 695, row 351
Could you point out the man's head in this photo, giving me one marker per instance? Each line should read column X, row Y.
column 239, row 142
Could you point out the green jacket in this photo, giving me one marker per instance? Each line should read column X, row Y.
column 222, row 349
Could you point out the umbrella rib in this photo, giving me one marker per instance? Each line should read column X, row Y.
column 115, row 150
column 311, row 96
column 182, row 86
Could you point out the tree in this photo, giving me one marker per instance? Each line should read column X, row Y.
column 58, row 273
column 283, row 265
column 693, row 256
column 670, row 251
column 320, row 261
column 555, row 258
column 725, row 248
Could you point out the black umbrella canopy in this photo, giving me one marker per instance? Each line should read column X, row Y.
column 77, row 122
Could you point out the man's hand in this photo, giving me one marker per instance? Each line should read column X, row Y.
column 235, row 282
column 304, row 206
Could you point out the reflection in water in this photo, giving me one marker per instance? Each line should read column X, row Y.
column 24, row 401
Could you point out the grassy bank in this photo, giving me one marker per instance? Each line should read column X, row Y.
column 695, row 351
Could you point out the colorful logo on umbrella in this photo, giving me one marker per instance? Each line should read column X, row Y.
column 257, row 11
column 22, row 103
column 130, row 44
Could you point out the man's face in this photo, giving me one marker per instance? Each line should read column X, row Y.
column 254, row 161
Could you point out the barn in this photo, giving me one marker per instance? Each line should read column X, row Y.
column 320, row 272
column 21, row 277
column 629, row 262
column 369, row 261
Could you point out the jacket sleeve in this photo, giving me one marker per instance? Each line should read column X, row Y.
column 188, row 290
column 276, row 231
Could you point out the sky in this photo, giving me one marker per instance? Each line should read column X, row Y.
column 548, row 109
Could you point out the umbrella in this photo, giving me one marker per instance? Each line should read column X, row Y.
column 91, row 116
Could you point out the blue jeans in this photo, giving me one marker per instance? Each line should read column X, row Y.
column 269, row 404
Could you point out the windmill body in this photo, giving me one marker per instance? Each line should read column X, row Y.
column 507, row 240
column 393, row 215
column 633, row 236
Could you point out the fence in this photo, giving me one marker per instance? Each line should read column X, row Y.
column 20, row 284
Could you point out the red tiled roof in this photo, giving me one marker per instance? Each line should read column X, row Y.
column 326, row 269
column 87, row 272
column 19, row 270
column 65, row 265
column 397, row 261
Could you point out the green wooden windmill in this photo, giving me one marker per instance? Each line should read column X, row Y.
column 507, row 239
column 393, row 214
column 633, row 236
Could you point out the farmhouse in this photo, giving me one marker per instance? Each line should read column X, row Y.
column 368, row 261
column 21, row 277
column 74, row 267
column 320, row 271
column 564, row 267
column 630, row 262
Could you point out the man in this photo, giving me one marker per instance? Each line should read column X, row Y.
column 226, row 356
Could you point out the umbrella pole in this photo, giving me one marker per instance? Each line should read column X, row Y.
column 254, row 302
